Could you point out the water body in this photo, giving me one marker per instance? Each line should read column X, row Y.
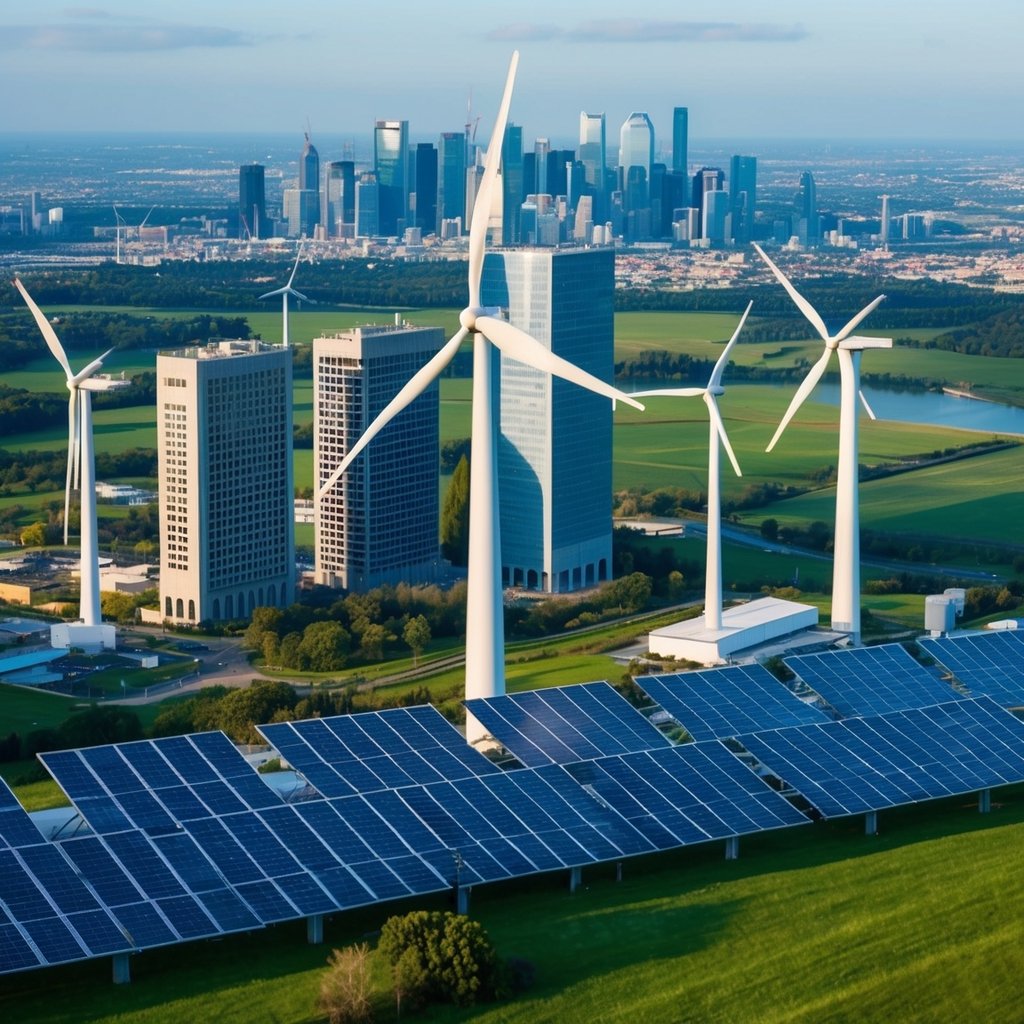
column 931, row 408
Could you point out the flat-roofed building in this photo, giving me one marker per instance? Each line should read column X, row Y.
column 379, row 523
column 224, row 428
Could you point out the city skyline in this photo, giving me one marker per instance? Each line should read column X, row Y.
column 877, row 71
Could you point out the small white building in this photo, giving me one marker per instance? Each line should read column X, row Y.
column 744, row 626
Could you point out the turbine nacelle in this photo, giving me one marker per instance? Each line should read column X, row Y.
column 469, row 316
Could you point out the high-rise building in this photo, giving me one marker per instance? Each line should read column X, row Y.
column 707, row 179
column 301, row 210
column 593, row 156
column 680, row 133
column 808, row 219
column 252, row 201
column 555, row 444
column 379, row 523
column 367, row 211
column 224, row 430
column 309, row 181
column 636, row 154
column 426, row 188
column 541, row 149
column 340, row 199
column 512, row 193
column 713, row 215
column 742, row 196
column 451, row 178
column 391, row 164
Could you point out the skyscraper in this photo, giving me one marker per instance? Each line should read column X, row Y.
column 252, row 201
column 426, row 188
column 511, row 184
column 379, row 523
column 555, row 445
column 680, row 132
column 224, row 427
column 367, row 211
column 340, row 199
column 593, row 150
column 809, row 226
column 707, row 179
column 743, row 196
column 309, row 181
column 391, row 164
column 636, row 151
column 541, row 148
column 451, row 178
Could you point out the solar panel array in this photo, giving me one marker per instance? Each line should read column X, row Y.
column 989, row 664
column 564, row 724
column 376, row 750
column 725, row 701
column 870, row 680
column 866, row 764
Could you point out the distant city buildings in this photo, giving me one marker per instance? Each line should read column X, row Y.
column 379, row 523
column 555, row 444
column 391, row 165
column 224, row 431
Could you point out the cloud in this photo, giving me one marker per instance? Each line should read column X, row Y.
column 93, row 30
column 637, row 30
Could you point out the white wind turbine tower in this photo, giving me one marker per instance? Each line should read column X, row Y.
column 82, row 474
column 284, row 293
column 846, row 546
column 485, row 642
column 718, row 437
column 118, row 222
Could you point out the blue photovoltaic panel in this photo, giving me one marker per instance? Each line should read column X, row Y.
column 15, row 952
column 16, row 827
column 98, row 866
column 144, row 925
column 866, row 764
column 989, row 664
column 376, row 751
column 722, row 702
column 565, row 724
column 267, row 901
column 870, row 680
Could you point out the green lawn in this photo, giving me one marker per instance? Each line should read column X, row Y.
column 820, row 923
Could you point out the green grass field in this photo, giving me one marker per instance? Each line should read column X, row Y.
column 820, row 923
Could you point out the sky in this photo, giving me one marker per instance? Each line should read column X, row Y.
column 791, row 69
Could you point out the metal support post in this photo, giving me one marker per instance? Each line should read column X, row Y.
column 732, row 848
column 984, row 801
column 315, row 929
column 462, row 899
column 575, row 878
column 871, row 823
column 121, row 969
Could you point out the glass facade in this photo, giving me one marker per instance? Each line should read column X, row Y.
column 555, row 442
column 391, row 165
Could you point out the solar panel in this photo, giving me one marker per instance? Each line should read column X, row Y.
column 155, row 785
column 989, row 664
column 870, row 680
column 866, row 764
column 722, row 702
column 16, row 827
column 564, row 724
column 376, row 751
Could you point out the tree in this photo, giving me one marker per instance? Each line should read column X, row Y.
column 416, row 635
column 34, row 536
column 345, row 988
column 455, row 516
column 374, row 638
column 451, row 953
column 324, row 646
column 770, row 529
column 264, row 620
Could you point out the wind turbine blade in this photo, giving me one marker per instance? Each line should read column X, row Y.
column 669, row 393
column 805, row 307
column 298, row 256
column 144, row 219
column 849, row 328
column 49, row 335
column 270, row 295
column 716, row 418
column 519, row 345
column 723, row 359
column 90, row 369
column 69, row 480
column 414, row 387
column 302, row 298
column 817, row 371
column 867, row 408
column 482, row 205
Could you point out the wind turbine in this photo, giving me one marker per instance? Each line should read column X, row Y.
column 81, row 462
column 718, row 437
column 118, row 221
column 846, row 546
column 485, row 642
column 284, row 293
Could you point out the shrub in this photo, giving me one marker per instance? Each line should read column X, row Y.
column 345, row 988
column 443, row 956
